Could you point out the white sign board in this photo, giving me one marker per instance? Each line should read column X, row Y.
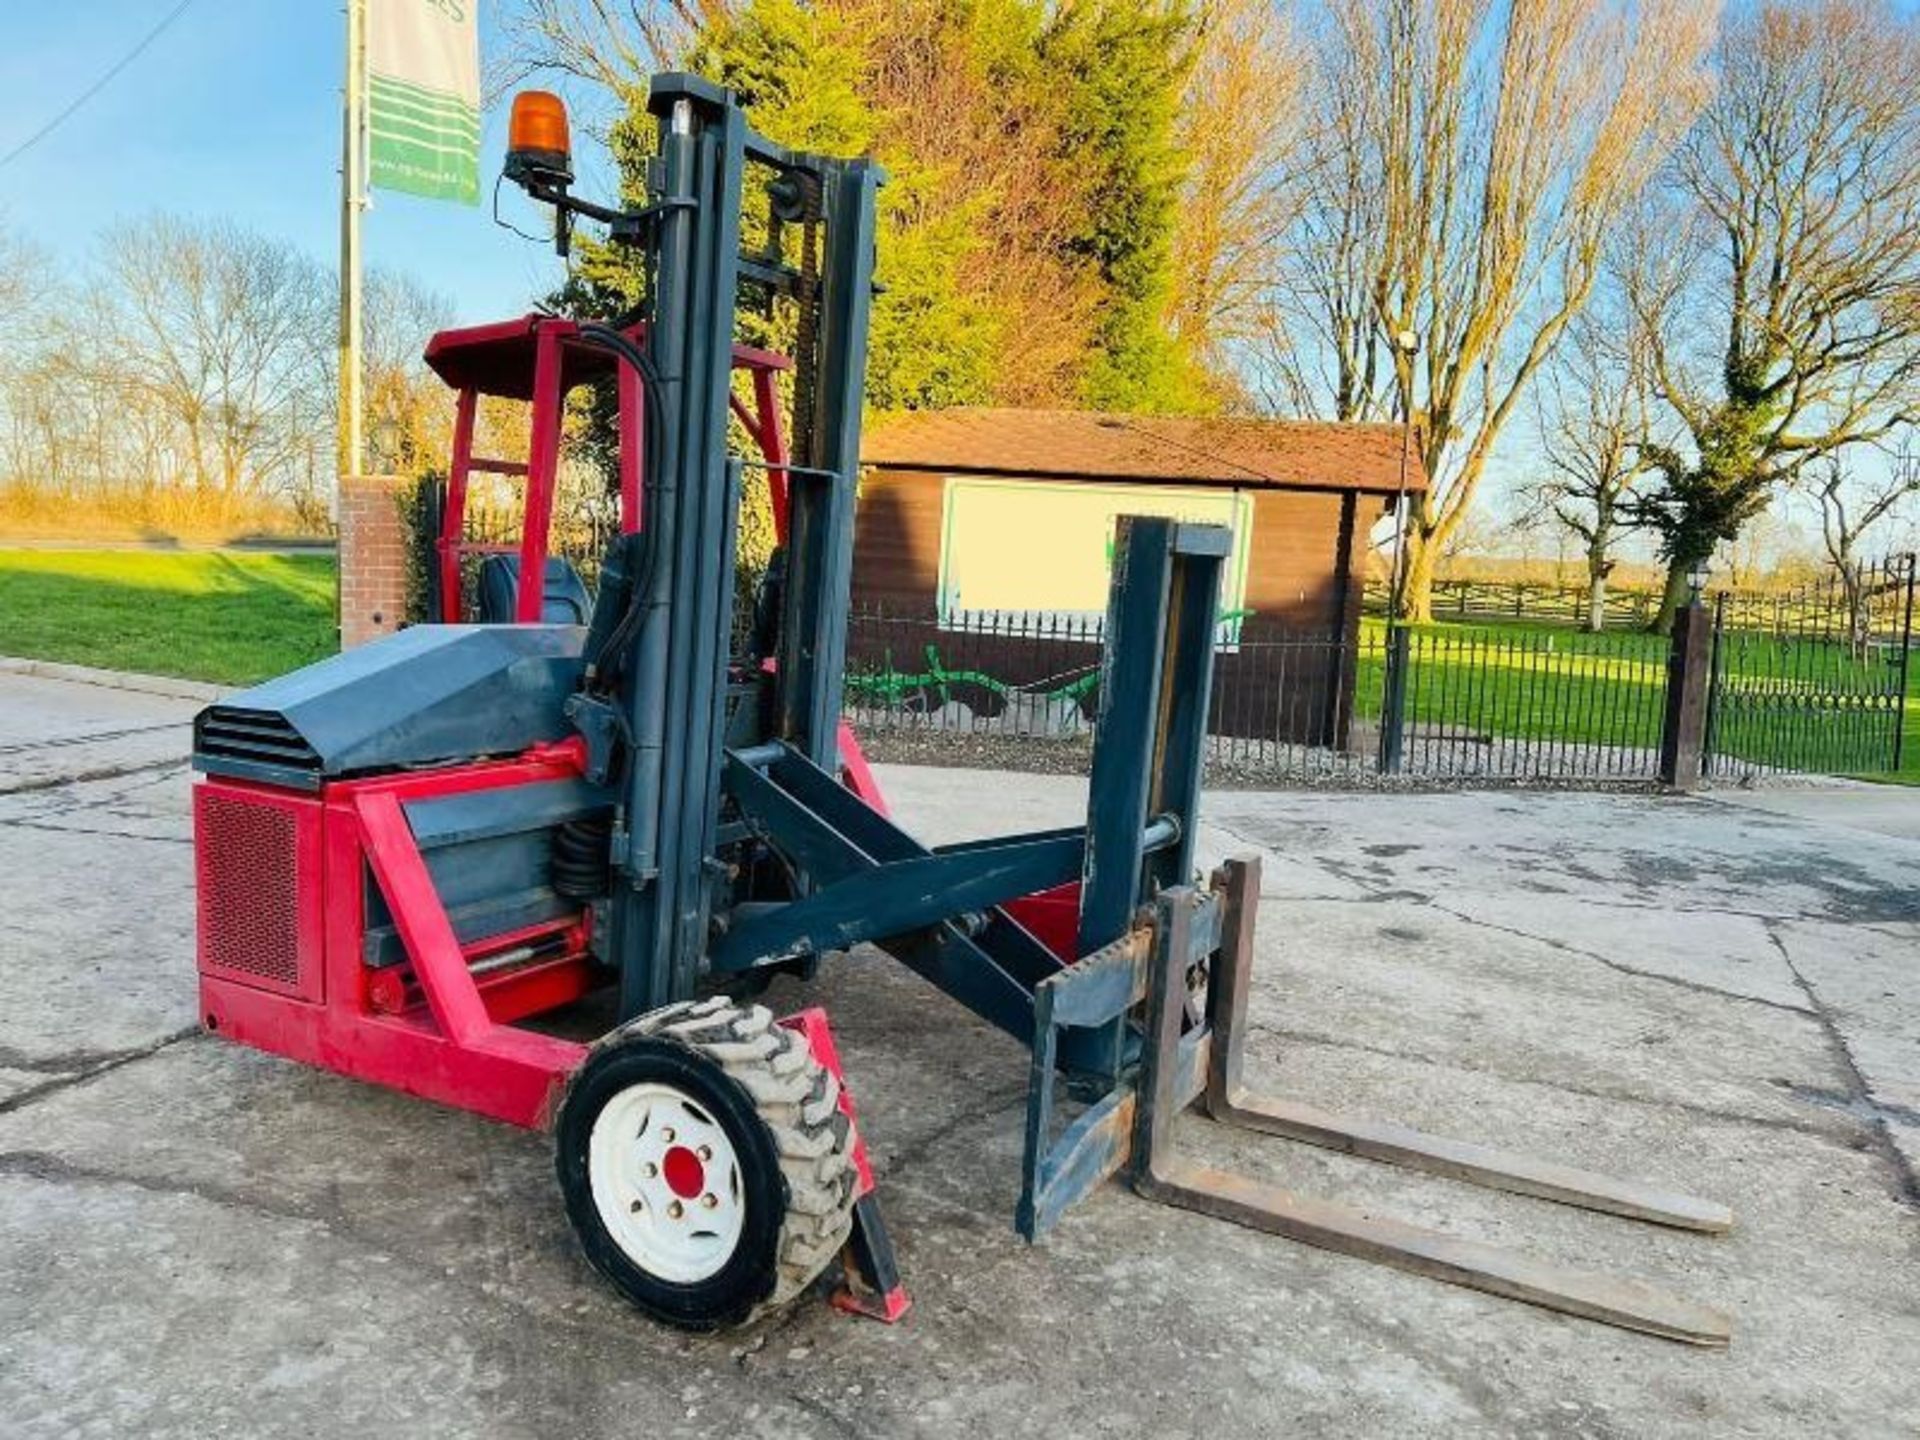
column 1044, row 549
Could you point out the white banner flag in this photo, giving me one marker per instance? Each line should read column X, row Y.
column 423, row 97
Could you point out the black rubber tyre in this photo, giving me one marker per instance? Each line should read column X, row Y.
column 778, row 1110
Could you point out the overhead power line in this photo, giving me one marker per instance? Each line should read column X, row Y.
column 94, row 89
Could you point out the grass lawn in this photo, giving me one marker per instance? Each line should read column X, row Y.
column 225, row 616
column 1539, row 682
column 1909, row 771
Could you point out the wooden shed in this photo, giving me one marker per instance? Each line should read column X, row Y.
column 977, row 520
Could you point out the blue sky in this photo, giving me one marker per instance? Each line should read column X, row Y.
column 234, row 111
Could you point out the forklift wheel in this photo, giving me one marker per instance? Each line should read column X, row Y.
column 705, row 1163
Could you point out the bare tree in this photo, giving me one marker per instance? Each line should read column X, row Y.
column 1783, row 289
column 225, row 334
column 183, row 377
column 1478, row 537
column 24, row 276
column 1241, row 129
column 1852, row 503
column 1764, row 551
column 24, row 280
column 611, row 43
column 1503, row 140
column 78, row 423
column 1593, row 420
column 406, row 403
column 1322, row 350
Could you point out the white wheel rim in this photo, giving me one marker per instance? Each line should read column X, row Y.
column 666, row 1181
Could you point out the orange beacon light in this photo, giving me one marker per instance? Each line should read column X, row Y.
column 539, row 151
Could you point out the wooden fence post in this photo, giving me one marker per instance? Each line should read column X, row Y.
column 1683, row 734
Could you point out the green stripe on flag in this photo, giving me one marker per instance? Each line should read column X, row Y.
column 421, row 141
column 402, row 127
column 423, row 92
column 406, row 104
column 406, row 122
column 455, row 114
column 461, row 119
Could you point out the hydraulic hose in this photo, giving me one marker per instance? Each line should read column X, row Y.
column 604, row 664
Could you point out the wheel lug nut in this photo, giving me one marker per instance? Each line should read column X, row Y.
column 650, row 1170
column 666, row 1134
column 706, row 1152
column 675, row 1211
column 636, row 1207
column 709, row 1200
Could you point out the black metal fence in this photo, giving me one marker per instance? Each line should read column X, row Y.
column 1524, row 704
column 1813, row 680
column 1476, row 702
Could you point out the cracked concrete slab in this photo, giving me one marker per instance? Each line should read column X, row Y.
column 280, row 1329
column 54, row 730
column 201, row 1240
column 1733, row 954
column 1679, row 854
column 1868, row 999
column 1461, row 995
column 98, row 938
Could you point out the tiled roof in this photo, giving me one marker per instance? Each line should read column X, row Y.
column 1315, row 455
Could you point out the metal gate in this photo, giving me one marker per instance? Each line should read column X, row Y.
column 1813, row 680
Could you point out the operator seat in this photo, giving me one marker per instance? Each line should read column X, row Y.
column 564, row 599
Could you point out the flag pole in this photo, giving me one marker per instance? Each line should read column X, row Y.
column 353, row 202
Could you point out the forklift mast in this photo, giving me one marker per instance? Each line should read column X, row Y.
column 671, row 703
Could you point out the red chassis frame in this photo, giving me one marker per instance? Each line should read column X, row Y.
column 432, row 1027
column 441, row 1026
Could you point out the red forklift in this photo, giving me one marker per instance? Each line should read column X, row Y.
column 421, row 863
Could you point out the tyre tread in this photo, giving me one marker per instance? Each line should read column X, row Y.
column 798, row 1099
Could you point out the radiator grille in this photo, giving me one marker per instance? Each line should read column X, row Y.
column 248, row 858
column 262, row 737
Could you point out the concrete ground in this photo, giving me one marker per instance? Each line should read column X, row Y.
column 196, row 1240
column 1851, row 804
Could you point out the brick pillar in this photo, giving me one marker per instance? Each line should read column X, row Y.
column 373, row 559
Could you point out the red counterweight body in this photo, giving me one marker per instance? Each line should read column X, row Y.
column 285, row 879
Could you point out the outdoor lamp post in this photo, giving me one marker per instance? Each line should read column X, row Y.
column 385, row 443
column 1407, row 343
column 1697, row 578
column 1393, row 702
